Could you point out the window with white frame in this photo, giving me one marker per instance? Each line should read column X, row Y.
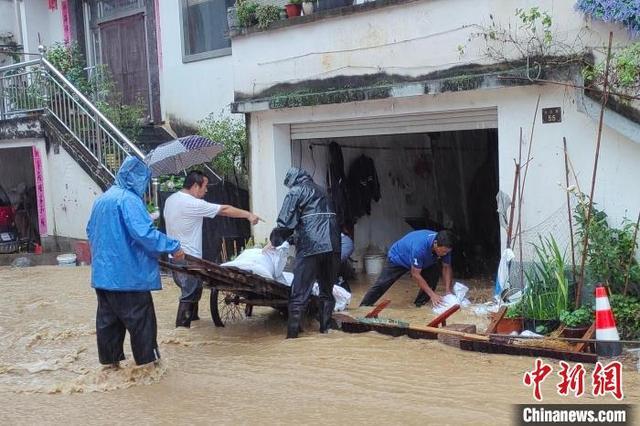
column 205, row 32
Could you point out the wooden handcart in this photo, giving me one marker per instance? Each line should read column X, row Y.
column 234, row 292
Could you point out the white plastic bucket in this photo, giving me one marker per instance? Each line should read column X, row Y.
column 373, row 263
column 68, row 259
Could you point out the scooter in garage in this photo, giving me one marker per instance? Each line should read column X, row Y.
column 9, row 239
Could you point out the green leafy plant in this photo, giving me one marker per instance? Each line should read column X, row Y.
column 514, row 311
column 577, row 318
column 547, row 292
column 266, row 14
column 624, row 71
column 231, row 133
column 626, row 310
column 246, row 12
column 295, row 1
column 609, row 249
column 171, row 183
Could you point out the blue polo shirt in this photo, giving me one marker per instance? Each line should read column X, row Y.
column 415, row 249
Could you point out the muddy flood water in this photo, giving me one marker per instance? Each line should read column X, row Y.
column 246, row 372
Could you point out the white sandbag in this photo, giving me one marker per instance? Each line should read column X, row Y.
column 448, row 301
column 253, row 260
column 342, row 296
column 268, row 263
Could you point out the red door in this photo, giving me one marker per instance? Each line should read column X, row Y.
column 123, row 47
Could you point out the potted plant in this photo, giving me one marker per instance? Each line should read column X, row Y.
column 307, row 7
column 512, row 320
column 293, row 8
column 266, row 14
column 547, row 292
column 246, row 13
column 576, row 322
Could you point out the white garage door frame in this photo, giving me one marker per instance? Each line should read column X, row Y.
column 437, row 121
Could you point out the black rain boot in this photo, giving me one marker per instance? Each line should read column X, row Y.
column 293, row 324
column 185, row 312
column 326, row 311
column 194, row 312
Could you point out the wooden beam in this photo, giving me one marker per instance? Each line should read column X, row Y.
column 494, row 324
column 442, row 318
column 375, row 311
column 580, row 347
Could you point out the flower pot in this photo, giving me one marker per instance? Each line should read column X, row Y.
column 509, row 325
column 533, row 324
column 307, row 8
column 575, row 332
column 293, row 10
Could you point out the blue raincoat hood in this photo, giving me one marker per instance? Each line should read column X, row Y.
column 134, row 175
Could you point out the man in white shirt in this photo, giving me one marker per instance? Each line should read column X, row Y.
column 184, row 212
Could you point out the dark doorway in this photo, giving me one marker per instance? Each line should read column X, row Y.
column 17, row 184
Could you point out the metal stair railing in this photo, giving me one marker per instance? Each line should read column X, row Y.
column 37, row 86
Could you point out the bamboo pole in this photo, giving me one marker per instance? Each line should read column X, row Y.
column 566, row 176
column 594, row 174
column 516, row 179
column 633, row 251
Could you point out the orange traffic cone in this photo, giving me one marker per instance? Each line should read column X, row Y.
column 606, row 331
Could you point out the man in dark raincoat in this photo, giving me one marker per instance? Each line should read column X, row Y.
column 306, row 211
column 125, row 246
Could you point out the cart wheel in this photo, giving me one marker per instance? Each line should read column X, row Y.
column 226, row 307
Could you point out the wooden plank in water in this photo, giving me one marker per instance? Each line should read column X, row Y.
column 442, row 318
column 507, row 349
column 494, row 324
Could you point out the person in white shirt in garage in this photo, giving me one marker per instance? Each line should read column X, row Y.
column 184, row 212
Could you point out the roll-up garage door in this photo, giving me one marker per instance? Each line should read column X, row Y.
column 441, row 121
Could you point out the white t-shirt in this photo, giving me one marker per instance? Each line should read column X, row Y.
column 183, row 214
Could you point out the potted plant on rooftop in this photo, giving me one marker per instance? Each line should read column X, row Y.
column 293, row 8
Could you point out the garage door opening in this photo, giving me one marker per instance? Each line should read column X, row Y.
column 434, row 180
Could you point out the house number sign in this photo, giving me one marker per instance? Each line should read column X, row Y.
column 552, row 115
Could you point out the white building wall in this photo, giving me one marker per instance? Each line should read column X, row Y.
column 409, row 39
column 40, row 26
column 543, row 196
column 72, row 194
column 189, row 91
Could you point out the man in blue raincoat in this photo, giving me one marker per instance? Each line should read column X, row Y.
column 125, row 247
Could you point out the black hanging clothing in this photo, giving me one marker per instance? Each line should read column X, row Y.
column 337, row 184
column 363, row 186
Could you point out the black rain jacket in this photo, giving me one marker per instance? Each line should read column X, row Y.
column 306, row 211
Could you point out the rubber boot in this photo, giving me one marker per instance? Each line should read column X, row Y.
column 185, row 312
column 194, row 312
column 293, row 324
column 326, row 311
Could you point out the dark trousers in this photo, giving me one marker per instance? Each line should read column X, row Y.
column 119, row 311
column 392, row 273
column 190, row 286
column 322, row 267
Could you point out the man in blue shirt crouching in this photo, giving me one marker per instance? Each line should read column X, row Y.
column 420, row 253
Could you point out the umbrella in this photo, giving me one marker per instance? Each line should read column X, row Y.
column 180, row 154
